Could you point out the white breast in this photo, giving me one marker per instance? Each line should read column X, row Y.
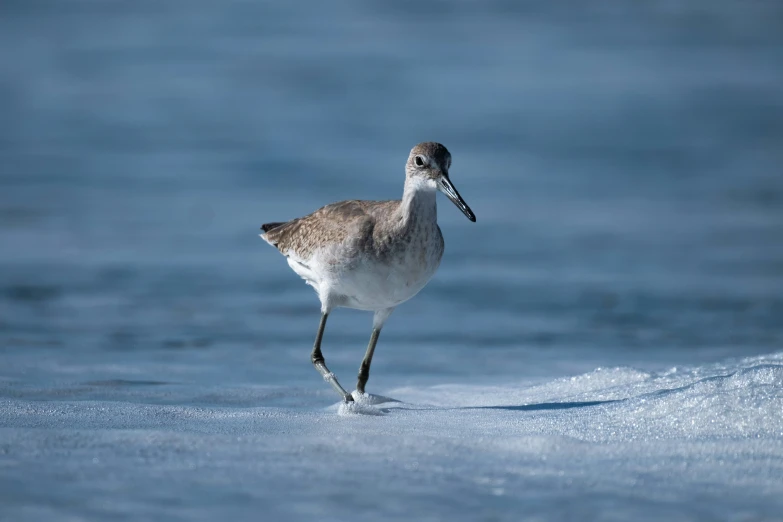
column 366, row 283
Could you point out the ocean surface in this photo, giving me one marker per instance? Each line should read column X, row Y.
column 604, row 343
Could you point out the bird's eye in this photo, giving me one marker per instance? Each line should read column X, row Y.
column 419, row 161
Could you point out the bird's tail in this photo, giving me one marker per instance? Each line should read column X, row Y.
column 269, row 226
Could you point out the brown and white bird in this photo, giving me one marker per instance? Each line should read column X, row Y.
column 371, row 255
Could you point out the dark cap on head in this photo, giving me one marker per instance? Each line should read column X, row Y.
column 432, row 150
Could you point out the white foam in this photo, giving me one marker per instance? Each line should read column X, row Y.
column 356, row 408
column 705, row 440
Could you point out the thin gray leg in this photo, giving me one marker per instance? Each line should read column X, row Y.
column 320, row 364
column 364, row 369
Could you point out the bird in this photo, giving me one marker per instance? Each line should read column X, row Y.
column 371, row 255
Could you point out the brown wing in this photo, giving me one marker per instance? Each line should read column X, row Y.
column 336, row 223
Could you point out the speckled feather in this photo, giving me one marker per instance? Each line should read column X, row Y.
column 355, row 221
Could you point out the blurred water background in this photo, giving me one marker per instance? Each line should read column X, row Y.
column 623, row 160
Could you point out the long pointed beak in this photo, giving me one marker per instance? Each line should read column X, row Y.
column 447, row 187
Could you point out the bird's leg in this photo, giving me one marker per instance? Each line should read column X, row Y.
column 378, row 321
column 318, row 361
column 364, row 369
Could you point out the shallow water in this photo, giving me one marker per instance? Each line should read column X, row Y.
column 625, row 275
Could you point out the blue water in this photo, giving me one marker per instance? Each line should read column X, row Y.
column 623, row 161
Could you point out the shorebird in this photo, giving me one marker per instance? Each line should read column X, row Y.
column 371, row 255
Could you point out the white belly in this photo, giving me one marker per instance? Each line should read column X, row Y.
column 367, row 283
column 378, row 286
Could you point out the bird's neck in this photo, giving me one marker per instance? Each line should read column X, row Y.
column 418, row 206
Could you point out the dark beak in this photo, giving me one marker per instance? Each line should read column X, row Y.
column 447, row 187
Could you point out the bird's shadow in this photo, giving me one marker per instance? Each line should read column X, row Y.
column 542, row 406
